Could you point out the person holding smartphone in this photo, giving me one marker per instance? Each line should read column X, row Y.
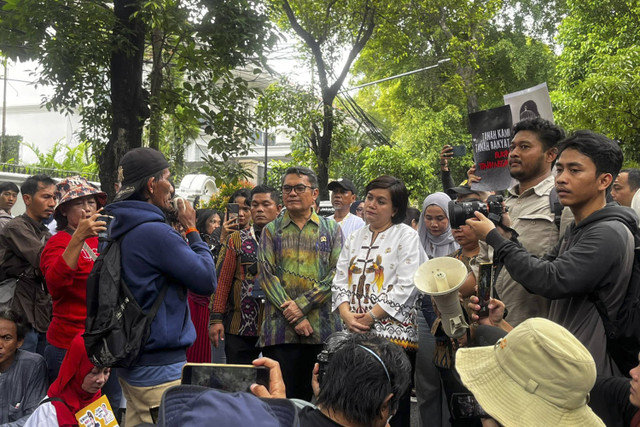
column 446, row 154
column 236, row 217
column 67, row 260
column 236, row 316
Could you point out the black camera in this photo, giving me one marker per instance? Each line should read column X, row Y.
column 464, row 406
column 331, row 345
column 459, row 212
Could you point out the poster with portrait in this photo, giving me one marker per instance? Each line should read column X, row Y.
column 491, row 137
column 530, row 103
column 97, row 414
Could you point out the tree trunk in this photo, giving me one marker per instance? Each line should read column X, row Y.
column 330, row 91
column 324, row 149
column 155, row 121
column 468, row 76
column 128, row 100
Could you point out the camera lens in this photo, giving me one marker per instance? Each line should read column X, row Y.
column 456, row 214
column 459, row 212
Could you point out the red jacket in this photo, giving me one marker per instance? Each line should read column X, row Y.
column 68, row 288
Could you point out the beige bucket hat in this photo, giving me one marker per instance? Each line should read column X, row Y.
column 539, row 374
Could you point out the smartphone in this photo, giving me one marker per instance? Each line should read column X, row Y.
column 229, row 378
column 484, row 288
column 103, row 236
column 232, row 210
column 459, row 150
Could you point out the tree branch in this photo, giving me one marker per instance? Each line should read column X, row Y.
column 326, row 22
column 314, row 141
column 310, row 41
column 173, row 51
column 364, row 34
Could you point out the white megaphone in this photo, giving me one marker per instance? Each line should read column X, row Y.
column 441, row 278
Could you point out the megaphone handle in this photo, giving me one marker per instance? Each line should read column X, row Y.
column 457, row 324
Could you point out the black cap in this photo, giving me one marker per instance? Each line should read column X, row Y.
column 343, row 183
column 462, row 190
column 135, row 168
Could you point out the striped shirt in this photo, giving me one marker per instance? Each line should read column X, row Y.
column 298, row 264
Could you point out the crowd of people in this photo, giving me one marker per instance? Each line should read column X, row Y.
column 329, row 305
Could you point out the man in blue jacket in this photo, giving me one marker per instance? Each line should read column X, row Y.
column 152, row 254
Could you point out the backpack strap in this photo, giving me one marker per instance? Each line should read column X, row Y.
column 89, row 251
column 156, row 304
column 556, row 207
column 610, row 328
column 51, row 399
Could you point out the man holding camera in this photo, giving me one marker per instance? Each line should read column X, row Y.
column 152, row 253
column 625, row 186
column 532, row 154
column 594, row 257
column 297, row 261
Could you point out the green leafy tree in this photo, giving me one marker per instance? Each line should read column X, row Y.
column 219, row 200
column 93, row 54
column 276, row 172
column 299, row 111
column 327, row 28
column 427, row 110
column 395, row 161
column 599, row 70
column 11, row 149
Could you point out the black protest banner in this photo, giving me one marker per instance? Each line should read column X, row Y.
column 491, row 136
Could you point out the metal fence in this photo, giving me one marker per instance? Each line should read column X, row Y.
column 54, row 173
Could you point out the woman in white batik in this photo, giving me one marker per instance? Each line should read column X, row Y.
column 373, row 286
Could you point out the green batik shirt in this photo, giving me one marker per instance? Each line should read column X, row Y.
column 298, row 265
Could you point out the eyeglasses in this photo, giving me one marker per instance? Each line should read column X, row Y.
column 300, row 188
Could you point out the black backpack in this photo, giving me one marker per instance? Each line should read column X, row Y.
column 116, row 328
column 623, row 333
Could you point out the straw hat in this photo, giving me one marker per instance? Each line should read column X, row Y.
column 538, row 375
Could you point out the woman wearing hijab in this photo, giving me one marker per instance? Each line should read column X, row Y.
column 434, row 229
column 78, row 384
column 437, row 240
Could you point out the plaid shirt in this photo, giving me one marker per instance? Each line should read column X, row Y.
column 298, row 264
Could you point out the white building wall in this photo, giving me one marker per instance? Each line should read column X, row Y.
column 25, row 117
